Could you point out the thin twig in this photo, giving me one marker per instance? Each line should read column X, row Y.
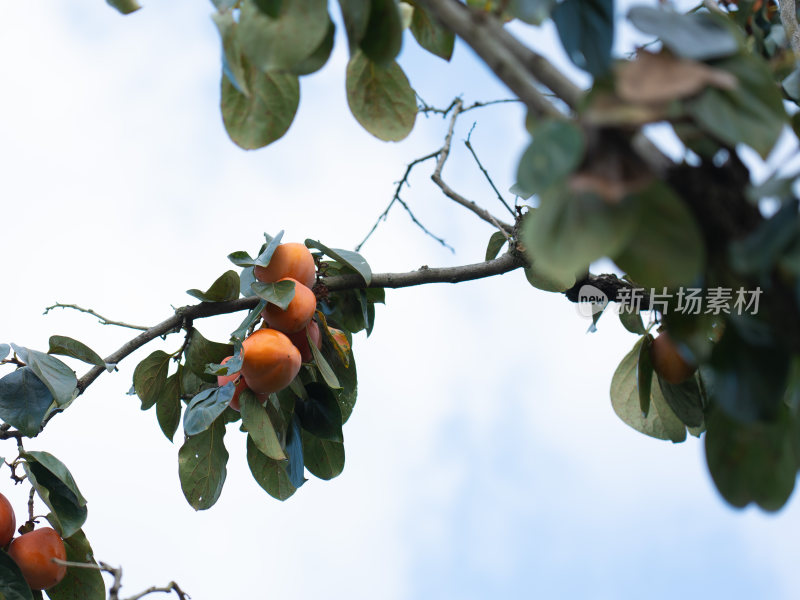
column 116, row 573
column 396, row 198
column 450, row 192
column 468, row 144
column 103, row 320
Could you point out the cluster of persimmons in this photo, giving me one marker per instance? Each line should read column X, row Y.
column 33, row 551
column 273, row 354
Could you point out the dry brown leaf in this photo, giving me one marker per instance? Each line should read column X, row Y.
column 658, row 78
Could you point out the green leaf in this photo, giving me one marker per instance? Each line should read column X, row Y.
column 752, row 462
column 225, row 288
column 126, row 7
column 168, row 406
column 266, row 113
column 757, row 253
column 586, row 29
column 320, row 56
column 548, row 283
column 150, row 378
column 432, row 36
column 271, row 8
column 246, row 279
column 324, row 368
column 644, row 374
column 4, row 350
column 751, row 114
column 200, row 352
column 571, row 230
column 204, row 408
column 252, row 317
column 355, row 14
column 272, row 44
column 202, row 468
column 67, row 346
column 666, row 248
column 269, row 473
column 320, row 413
column 749, row 376
column 279, row 293
column 24, row 401
column 79, row 583
column 685, row 399
column 631, row 320
column 57, row 376
column 345, row 374
column 380, row 98
column 555, row 151
column 383, row 37
column 241, row 259
column 259, row 426
column 295, row 469
column 57, row 489
column 697, row 35
column 347, row 258
column 496, row 242
column 269, row 249
column 323, row 458
column 232, row 65
column 12, row 583
column 660, row 422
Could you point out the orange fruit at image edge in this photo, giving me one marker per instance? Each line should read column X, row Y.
column 34, row 553
column 289, row 260
column 8, row 521
column 297, row 315
column 668, row 362
column 270, row 361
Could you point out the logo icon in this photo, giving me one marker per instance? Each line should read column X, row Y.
column 591, row 300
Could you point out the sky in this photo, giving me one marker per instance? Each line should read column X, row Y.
column 483, row 456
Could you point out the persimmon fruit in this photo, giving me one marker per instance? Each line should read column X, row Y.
column 270, row 361
column 667, row 360
column 289, row 260
column 8, row 521
column 297, row 315
column 300, row 340
column 237, row 390
column 34, row 553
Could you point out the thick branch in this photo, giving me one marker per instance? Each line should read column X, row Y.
column 474, row 27
column 504, row 264
column 185, row 315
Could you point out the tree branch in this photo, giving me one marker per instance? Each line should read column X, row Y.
column 474, row 27
column 498, row 266
column 458, row 108
column 101, row 318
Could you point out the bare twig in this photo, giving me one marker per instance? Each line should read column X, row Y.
column 468, row 144
column 116, row 573
column 103, row 320
column 450, row 192
column 396, row 198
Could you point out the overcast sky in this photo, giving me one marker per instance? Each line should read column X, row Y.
column 483, row 456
